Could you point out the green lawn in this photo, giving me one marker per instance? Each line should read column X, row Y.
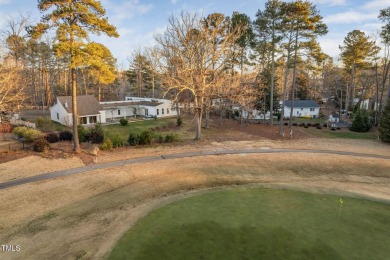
column 306, row 120
column 260, row 224
column 137, row 127
column 344, row 133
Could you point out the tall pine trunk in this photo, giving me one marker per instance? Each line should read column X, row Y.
column 271, row 102
column 76, row 145
column 294, row 81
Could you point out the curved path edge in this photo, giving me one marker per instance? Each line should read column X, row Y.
column 92, row 167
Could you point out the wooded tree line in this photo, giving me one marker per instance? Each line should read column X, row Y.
column 39, row 74
column 232, row 59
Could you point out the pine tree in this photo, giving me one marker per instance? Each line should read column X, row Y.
column 360, row 121
column 73, row 19
column 384, row 126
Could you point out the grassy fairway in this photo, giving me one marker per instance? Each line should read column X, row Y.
column 260, row 224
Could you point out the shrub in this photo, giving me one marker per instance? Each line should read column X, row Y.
column 32, row 135
column 286, row 124
column 133, row 139
column 170, row 138
column 384, row 124
column 5, row 128
column 306, row 126
column 294, row 124
column 333, row 129
column 41, row 145
column 360, row 121
column 124, row 122
column 145, row 137
column 179, row 121
column 338, row 128
column 117, row 140
column 52, row 137
column 84, row 134
column 160, row 138
column 325, row 125
column 97, row 134
column 315, row 124
column 27, row 133
column 301, row 124
column 66, row 135
column 20, row 130
column 309, row 124
column 319, row 127
column 106, row 144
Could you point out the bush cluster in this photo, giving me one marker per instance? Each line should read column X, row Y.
column 66, row 135
column 29, row 134
column 5, row 128
column 83, row 134
column 41, row 145
column 96, row 135
column 147, row 137
column 106, row 144
column 52, row 137
column 116, row 140
column 124, row 122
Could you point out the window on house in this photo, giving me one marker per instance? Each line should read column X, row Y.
column 158, row 111
column 301, row 108
column 146, row 112
column 312, row 109
column 168, row 111
column 58, row 116
column 162, row 111
column 119, row 112
column 92, row 120
column 83, row 120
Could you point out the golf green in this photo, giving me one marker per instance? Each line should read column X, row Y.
column 254, row 223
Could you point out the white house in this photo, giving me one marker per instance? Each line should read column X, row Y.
column 134, row 106
column 89, row 110
column 302, row 108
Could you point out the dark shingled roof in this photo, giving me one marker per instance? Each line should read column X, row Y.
column 302, row 103
column 86, row 105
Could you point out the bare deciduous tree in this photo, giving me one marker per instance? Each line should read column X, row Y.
column 191, row 57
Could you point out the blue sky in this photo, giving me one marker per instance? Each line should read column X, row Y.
column 138, row 20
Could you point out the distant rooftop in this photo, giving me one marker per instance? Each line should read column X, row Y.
column 302, row 103
column 86, row 105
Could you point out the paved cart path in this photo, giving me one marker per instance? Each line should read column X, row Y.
column 92, row 167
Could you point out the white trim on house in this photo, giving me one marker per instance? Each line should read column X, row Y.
column 135, row 106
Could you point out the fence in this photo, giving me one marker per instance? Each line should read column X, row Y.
column 21, row 122
column 13, row 146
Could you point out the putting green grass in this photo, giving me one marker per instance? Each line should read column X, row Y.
column 260, row 224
